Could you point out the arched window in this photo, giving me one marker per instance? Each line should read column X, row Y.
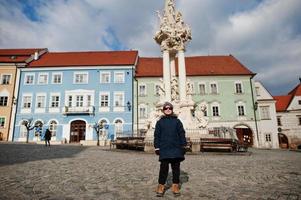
column 53, row 127
column 23, row 130
column 103, row 132
column 118, row 127
column 38, row 125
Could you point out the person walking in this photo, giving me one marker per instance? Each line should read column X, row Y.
column 169, row 143
column 47, row 137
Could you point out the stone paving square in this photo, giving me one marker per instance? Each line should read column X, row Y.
column 29, row 171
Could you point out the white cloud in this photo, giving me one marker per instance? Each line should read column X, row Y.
column 264, row 35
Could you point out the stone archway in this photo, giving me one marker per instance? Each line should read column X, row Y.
column 283, row 141
column 77, row 131
column 244, row 134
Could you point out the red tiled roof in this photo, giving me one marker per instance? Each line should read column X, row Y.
column 195, row 66
column 16, row 55
column 282, row 102
column 296, row 91
column 95, row 58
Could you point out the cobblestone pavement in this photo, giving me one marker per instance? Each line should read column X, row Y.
column 29, row 171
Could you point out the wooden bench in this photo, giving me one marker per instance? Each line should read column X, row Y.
column 219, row 144
column 134, row 143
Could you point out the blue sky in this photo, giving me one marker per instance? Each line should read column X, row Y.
column 265, row 35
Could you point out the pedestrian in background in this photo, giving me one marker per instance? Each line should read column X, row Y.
column 169, row 143
column 47, row 137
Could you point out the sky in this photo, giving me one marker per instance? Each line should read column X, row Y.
column 264, row 35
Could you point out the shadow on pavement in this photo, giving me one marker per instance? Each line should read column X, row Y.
column 12, row 153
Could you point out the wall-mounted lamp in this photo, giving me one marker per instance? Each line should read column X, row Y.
column 256, row 105
column 128, row 104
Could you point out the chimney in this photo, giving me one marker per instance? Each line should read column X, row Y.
column 36, row 55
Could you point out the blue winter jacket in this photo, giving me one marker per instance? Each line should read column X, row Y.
column 169, row 137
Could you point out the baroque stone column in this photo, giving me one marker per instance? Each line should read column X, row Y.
column 182, row 76
column 166, row 75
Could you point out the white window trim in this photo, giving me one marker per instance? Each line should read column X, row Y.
column 199, row 91
column 123, row 76
column 83, row 73
column 57, row 125
column 260, row 112
column 100, row 77
column 143, row 95
column 52, row 78
column 119, row 108
column 40, row 74
column 146, row 111
column 242, row 87
column 217, row 89
column 10, row 80
column 26, row 110
column 8, row 103
column 104, row 109
column 5, row 122
column 29, row 74
column 55, row 109
column 40, row 110
column 122, row 127
column 219, row 111
column 241, row 117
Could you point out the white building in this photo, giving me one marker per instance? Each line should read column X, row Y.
column 289, row 118
column 267, row 121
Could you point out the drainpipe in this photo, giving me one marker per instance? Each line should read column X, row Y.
column 254, row 109
column 136, row 80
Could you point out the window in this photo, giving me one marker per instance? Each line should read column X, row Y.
column 268, row 138
column 265, row 112
column 105, row 77
column 43, row 79
column 2, row 122
column 3, row 100
column 241, row 110
column 103, row 132
column 119, row 77
column 202, row 89
column 299, row 120
column 70, row 101
column 23, row 131
column 104, row 100
column 213, row 87
column 142, row 112
column 215, row 111
column 279, row 121
column 89, row 100
column 142, row 90
column 79, row 101
column 118, row 127
column 238, row 88
column 257, row 90
column 26, row 101
column 40, row 102
column 5, row 79
column 57, row 78
column 29, row 79
column 299, row 102
column 118, row 99
column 55, row 101
column 80, row 78
column 53, row 128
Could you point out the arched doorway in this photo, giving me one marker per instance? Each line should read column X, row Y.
column 244, row 134
column 77, row 131
column 283, row 141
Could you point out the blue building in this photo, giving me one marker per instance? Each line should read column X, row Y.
column 71, row 92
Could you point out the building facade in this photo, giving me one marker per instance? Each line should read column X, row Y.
column 221, row 83
column 10, row 59
column 73, row 92
column 289, row 118
column 266, row 117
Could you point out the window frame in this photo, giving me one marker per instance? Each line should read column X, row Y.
column 27, row 75
column 236, row 88
column 2, row 78
column 115, row 77
column 211, row 90
column 47, row 78
column 4, row 122
column 199, row 88
column 3, row 101
column 75, row 74
column 53, row 78
column 263, row 115
column 101, row 78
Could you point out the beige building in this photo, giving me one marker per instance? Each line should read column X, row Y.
column 10, row 61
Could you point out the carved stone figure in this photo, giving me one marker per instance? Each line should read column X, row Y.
column 174, row 89
column 200, row 116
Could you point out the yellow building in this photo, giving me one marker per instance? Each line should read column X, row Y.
column 10, row 61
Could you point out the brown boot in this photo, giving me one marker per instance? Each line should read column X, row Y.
column 175, row 189
column 160, row 190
